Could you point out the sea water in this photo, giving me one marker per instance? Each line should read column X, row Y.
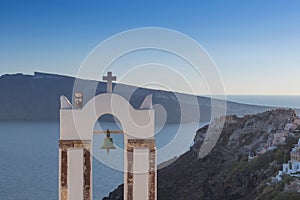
column 29, row 158
column 289, row 101
column 29, row 153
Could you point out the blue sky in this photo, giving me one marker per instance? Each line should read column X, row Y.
column 255, row 44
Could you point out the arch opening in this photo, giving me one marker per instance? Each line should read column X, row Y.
column 113, row 177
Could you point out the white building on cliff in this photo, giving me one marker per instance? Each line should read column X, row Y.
column 292, row 168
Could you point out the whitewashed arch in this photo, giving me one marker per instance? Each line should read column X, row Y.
column 79, row 124
column 76, row 135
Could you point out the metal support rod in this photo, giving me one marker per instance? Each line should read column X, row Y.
column 110, row 131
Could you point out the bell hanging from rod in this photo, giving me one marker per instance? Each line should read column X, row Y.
column 108, row 142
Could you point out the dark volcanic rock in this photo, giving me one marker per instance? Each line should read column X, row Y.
column 225, row 172
column 116, row 194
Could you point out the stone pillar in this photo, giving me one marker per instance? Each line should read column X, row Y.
column 129, row 183
column 152, row 173
column 63, row 174
column 64, row 146
column 152, row 182
column 87, row 168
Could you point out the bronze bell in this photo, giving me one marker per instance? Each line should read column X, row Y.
column 108, row 142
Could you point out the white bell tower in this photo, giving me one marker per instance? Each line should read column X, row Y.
column 75, row 145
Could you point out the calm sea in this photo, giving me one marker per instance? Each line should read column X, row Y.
column 292, row 101
column 29, row 158
column 29, row 153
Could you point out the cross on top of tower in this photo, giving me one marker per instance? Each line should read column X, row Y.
column 109, row 78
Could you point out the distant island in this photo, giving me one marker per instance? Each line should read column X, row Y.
column 36, row 97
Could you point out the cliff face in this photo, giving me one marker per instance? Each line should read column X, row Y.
column 226, row 173
column 27, row 97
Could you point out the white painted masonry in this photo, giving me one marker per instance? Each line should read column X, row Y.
column 74, row 174
column 76, row 134
column 79, row 124
column 141, row 167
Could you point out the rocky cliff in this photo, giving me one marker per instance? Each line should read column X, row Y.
column 226, row 173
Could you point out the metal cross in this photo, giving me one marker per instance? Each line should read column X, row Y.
column 109, row 78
